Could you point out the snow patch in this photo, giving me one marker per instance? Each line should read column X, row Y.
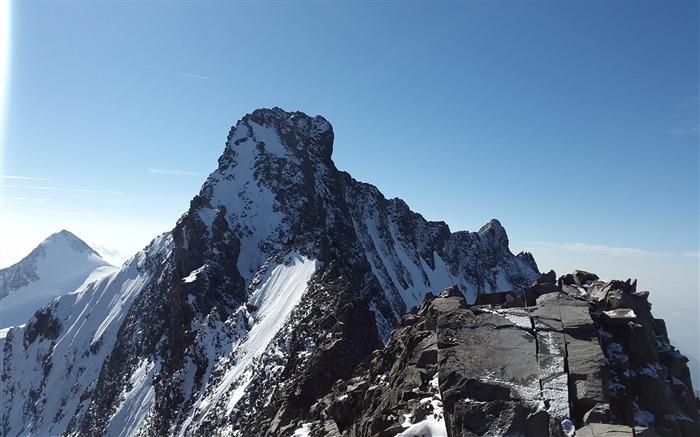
column 303, row 431
column 193, row 275
column 434, row 424
column 269, row 136
column 529, row 392
column 430, row 427
column 517, row 316
column 621, row 313
column 275, row 299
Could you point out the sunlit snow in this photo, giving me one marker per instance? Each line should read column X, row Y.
column 64, row 267
column 277, row 293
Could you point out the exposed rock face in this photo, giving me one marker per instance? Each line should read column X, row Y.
column 283, row 275
column 582, row 363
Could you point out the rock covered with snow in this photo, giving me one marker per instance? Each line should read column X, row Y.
column 58, row 265
column 278, row 269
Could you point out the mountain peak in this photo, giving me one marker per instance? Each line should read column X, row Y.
column 492, row 224
column 58, row 265
column 73, row 242
column 296, row 132
column 279, row 257
column 496, row 231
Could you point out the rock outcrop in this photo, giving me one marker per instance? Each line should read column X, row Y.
column 586, row 358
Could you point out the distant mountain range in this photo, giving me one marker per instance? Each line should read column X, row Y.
column 292, row 300
column 58, row 265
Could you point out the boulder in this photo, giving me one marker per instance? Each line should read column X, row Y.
column 587, row 375
column 507, row 299
column 582, row 277
column 605, row 430
column 578, row 277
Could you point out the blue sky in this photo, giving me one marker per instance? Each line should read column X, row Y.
column 573, row 123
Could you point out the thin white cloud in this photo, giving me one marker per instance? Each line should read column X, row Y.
column 689, row 102
column 57, row 211
column 173, row 172
column 685, row 115
column 24, row 178
column 688, row 131
column 603, row 250
column 591, row 248
column 80, row 214
column 26, row 199
column 72, row 190
column 111, row 254
column 690, row 254
column 196, row 76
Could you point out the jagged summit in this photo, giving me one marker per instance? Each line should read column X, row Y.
column 492, row 224
column 299, row 130
column 282, row 134
column 280, row 262
column 496, row 231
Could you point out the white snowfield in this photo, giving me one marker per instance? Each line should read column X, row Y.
column 62, row 265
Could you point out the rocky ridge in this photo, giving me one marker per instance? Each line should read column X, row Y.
column 573, row 356
column 217, row 328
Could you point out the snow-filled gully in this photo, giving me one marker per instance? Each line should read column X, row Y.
column 278, row 292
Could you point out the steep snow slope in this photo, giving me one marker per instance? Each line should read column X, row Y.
column 64, row 345
column 277, row 262
column 278, row 293
column 58, row 265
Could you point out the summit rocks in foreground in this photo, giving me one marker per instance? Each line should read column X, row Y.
column 282, row 276
column 582, row 357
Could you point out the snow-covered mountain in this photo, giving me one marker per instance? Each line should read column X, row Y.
column 58, row 265
column 214, row 328
column 263, row 312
